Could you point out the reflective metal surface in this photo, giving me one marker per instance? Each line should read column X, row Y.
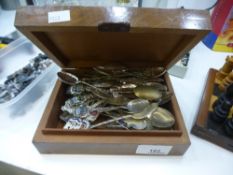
column 119, row 105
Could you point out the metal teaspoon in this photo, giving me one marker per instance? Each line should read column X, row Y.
column 71, row 79
column 135, row 105
column 146, row 113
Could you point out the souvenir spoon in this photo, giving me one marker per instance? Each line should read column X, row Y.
column 71, row 79
column 135, row 106
column 110, row 70
column 166, row 97
column 114, row 99
column 77, row 123
column 146, row 113
column 156, row 85
column 113, row 115
column 116, row 126
column 117, row 100
column 92, row 112
column 148, row 92
column 162, row 118
column 135, row 124
column 155, row 72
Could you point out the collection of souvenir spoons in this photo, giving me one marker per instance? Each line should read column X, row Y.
column 115, row 97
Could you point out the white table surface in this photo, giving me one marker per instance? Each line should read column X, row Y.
column 202, row 157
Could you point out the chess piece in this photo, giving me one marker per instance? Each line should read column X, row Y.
column 229, row 127
column 221, row 111
column 226, row 95
column 226, row 82
column 222, row 105
column 226, row 69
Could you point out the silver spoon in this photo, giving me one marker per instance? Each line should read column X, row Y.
column 162, row 118
column 135, row 106
column 71, row 79
column 146, row 113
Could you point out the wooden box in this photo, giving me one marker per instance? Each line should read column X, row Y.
column 94, row 36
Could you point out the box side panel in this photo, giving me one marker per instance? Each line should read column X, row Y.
column 114, row 149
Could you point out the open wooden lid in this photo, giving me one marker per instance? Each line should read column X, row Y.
column 107, row 35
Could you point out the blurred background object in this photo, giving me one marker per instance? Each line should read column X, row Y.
column 129, row 3
column 180, row 68
column 191, row 4
column 221, row 37
column 9, row 4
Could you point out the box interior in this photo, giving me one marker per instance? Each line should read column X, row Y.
column 88, row 49
column 55, row 126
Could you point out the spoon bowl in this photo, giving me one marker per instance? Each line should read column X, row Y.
column 148, row 92
column 162, row 118
column 68, row 78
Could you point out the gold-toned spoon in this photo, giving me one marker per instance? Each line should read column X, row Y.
column 148, row 92
column 162, row 118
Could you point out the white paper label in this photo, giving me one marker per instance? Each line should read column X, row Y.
column 58, row 16
column 153, row 149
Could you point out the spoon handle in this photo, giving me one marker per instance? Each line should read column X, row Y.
column 98, row 89
column 110, row 121
column 118, row 122
column 83, row 82
column 107, row 109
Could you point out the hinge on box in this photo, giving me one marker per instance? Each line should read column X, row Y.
column 114, row 27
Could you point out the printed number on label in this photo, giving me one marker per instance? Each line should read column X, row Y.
column 58, row 16
column 153, row 149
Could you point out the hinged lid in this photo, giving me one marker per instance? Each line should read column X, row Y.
column 107, row 35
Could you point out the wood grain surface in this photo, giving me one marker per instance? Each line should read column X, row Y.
column 157, row 37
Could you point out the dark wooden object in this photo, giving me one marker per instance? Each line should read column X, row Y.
column 99, row 36
column 206, row 128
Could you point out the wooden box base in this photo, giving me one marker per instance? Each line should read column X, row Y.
column 204, row 127
column 50, row 137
